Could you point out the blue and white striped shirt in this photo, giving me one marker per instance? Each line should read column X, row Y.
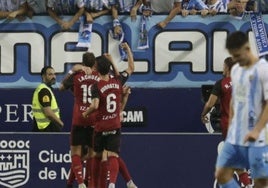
column 65, row 6
column 8, row 5
column 219, row 6
column 126, row 5
column 249, row 92
column 194, row 4
column 38, row 6
column 98, row 4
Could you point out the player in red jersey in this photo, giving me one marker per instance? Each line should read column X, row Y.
column 222, row 91
column 126, row 90
column 82, row 129
column 68, row 83
column 107, row 101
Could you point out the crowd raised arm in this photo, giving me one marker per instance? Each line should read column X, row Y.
column 19, row 9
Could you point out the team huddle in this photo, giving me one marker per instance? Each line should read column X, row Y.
column 100, row 95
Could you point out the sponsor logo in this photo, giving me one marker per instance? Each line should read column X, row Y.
column 14, row 163
column 134, row 117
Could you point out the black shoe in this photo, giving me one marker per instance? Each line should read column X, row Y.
column 85, row 182
column 69, row 186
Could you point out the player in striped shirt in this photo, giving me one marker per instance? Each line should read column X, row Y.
column 247, row 139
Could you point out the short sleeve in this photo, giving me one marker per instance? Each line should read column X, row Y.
column 216, row 90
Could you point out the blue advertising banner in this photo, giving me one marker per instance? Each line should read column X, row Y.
column 189, row 52
column 30, row 160
column 147, row 110
column 166, row 84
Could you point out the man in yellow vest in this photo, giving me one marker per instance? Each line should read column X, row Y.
column 46, row 112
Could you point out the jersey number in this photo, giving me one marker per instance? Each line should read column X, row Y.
column 111, row 103
column 86, row 90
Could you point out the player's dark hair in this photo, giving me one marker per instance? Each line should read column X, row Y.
column 236, row 40
column 44, row 70
column 103, row 65
column 229, row 62
column 88, row 59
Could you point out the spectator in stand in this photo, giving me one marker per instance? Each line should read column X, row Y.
column 170, row 7
column 238, row 7
column 36, row 7
column 262, row 5
column 133, row 11
column 94, row 9
column 123, row 6
column 57, row 7
column 13, row 9
column 216, row 6
column 192, row 7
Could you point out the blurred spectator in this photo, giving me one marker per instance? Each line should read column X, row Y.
column 262, row 6
column 193, row 7
column 13, row 9
column 58, row 7
column 123, row 6
column 36, row 7
column 216, row 6
column 94, row 9
column 134, row 10
column 117, row 33
column 170, row 7
column 238, row 7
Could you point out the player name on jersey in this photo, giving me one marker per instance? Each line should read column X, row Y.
column 88, row 77
column 109, row 86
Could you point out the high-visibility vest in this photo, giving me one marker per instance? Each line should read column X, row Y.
column 41, row 120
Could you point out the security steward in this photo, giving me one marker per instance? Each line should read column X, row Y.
column 46, row 113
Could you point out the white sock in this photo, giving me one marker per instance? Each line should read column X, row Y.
column 129, row 182
column 111, row 185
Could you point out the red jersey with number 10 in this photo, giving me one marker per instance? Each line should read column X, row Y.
column 82, row 84
column 108, row 113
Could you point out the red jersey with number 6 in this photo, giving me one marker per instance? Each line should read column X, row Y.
column 108, row 113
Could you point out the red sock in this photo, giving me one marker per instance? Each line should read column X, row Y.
column 244, row 178
column 123, row 169
column 114, row 168
column 93, row 182
column 77, row 168
column 71, row 177
column 103, row 175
